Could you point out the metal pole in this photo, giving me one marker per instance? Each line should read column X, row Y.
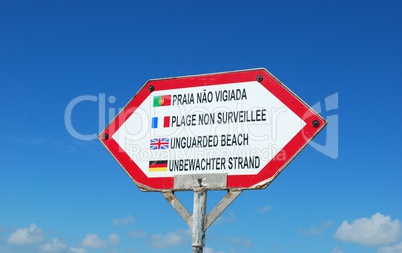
column 199, row 215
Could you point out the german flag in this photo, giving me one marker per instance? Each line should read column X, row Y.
column 158, row 166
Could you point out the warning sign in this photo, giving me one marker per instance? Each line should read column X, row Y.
column 246, row 125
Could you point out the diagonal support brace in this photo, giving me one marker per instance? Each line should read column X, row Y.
column 178, row 206
column 211, row 217
column 221, row 207
column 199, row 222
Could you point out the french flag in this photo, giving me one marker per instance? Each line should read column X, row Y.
column 155, row 122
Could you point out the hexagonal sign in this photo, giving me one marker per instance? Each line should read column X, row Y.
column 222, row 131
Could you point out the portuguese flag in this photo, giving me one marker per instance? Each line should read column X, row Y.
column 162, row 100
column 158, row 166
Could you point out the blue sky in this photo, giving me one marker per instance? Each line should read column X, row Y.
column 342, row 194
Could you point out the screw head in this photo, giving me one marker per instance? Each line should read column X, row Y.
column 151, row 88
column 316, row 123
column 105, row 136
column 259, row 78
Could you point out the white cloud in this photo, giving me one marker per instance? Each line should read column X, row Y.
column 31, row 234
column 54, row 246
column 78, row 250
column 336, row 250
column 138, row 233
column 391, row 249
column 317, row 230
column 377, row 231
column 93, row 241
column 229, row 218
column 171, row 239
column 208, row 250
column 242, row 241
column 264, row 209
column 114, row 238
column 123, row 221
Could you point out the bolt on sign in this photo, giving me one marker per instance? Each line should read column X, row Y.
column 232, row 130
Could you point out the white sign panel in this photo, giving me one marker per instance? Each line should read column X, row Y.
column 234, row 128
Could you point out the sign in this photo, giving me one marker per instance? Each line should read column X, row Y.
column 223, row 131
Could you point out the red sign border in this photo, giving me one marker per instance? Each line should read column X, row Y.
column 314, row 124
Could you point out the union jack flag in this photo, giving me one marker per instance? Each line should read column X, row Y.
column 159, row 143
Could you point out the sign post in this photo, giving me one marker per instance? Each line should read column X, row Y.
column 223, row 131
column 198, row 228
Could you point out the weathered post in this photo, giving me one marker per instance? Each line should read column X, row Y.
column 199, row 215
